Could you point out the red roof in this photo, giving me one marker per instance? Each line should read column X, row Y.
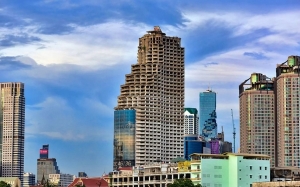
column 89, row 182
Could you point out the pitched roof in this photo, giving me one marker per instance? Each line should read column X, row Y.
column 89, row 182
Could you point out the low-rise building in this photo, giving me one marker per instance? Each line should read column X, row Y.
column 62, row 179
column 276, row 184
column 28, row 179
column 12, row 181
column 215, row 170
column 229, row 169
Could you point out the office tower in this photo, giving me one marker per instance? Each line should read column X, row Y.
column 45, row 165
column 82, row 174
column 192, row 144
column 287, row 96
column 257, row 116
column 154, row 93
column 28, row 179
column 191, row 121
column 12, row 124
column 44, row 152
column 208, row 115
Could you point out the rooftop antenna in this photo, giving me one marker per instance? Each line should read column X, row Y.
column 233, row 131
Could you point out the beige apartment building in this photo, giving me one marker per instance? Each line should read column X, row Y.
column 12, row 119
column 257, row 116
column 288, row 142
column 269, row 114
column 148, row 119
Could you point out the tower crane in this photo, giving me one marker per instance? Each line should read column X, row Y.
column 233, row 131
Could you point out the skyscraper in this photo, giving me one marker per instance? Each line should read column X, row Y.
column 191, row 121
column 288, row 111
column 269, row 111
column 257, row 116
column 208, row 115
column 12, row 124
column 153, row 94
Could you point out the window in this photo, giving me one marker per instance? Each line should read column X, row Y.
column 259, row 167
column 259, row 176
column 250, row 167
column 265, row 168
column 266, row 176
column 250, row 176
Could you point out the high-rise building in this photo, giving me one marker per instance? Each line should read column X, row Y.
column 208, row 115
column 191, row 121
column 269, row 114
column 192, row 144
column 154, row 94
column 44, row 152
column 45, row 166
column 12, row 124
column 28, row 179
column 287, row 111
column 257, row 116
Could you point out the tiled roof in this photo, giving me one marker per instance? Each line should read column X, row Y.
column 89, row 182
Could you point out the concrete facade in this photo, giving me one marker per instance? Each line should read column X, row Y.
column 257, row 116
column 191, row 121
column 28, row 179
column 62, row 179
column 12, row 123
column 230, row 169
column 155, row 90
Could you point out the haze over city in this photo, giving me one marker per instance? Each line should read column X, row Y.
column 72, row 57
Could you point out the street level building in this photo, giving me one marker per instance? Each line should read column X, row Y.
column 12, row 124
column 222, row 170
column 208, row 114
column 153, row 94
column 62, row 180
column 28, row 179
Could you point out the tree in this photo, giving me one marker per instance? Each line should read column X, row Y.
column 4, row 184
column 183, row 183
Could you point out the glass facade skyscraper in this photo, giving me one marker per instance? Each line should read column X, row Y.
column 208, row 115
column 124, row 131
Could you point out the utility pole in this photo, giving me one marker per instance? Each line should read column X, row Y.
column 233, row 131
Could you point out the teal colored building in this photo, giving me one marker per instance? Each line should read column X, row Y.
column 229, row 169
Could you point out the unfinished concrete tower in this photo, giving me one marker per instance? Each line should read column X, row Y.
column 148, row 120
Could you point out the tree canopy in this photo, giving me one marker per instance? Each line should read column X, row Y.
column 183, row 183
column 4, row 184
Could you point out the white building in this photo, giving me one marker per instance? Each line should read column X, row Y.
column 12, row 119
column 191, row 121
column 28, row 179
column 61, row 179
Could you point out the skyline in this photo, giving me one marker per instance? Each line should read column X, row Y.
column 65, row 52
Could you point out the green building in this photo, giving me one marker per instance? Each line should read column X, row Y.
column 229, row 169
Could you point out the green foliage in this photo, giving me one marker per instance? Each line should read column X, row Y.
column 183, row 183
column 4, row 184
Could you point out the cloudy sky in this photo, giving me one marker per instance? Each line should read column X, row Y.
column 73, row 55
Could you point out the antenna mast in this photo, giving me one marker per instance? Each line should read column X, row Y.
column 233, row 131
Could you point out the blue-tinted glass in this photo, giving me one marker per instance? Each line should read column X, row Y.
column 207, row 114
column 124, row 142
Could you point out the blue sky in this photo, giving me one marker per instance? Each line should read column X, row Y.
column 73, row 57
